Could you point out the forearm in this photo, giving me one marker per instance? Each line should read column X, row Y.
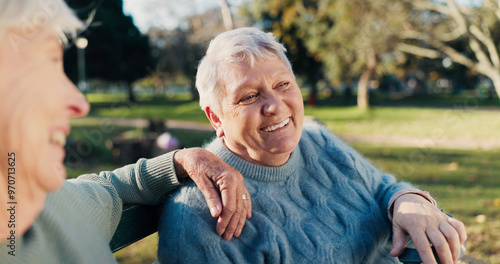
column 146, row 181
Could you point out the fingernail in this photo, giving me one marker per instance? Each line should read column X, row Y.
column 228, row 237
column 221, row 231
column 238, row 233
column 213, row 211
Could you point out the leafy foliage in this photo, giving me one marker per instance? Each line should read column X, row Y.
column 348, row 38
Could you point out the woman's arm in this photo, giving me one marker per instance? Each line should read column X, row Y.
column 148, row 181
column 413, row 214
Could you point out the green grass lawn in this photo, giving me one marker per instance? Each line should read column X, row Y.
column 464, row 182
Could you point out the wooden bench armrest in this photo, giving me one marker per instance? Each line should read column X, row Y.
column 136, row 223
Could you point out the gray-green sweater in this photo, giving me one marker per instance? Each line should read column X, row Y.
column 326, row 204
column 78, row 220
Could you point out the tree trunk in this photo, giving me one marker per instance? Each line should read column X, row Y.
column 312, row 99
column 131, row 95
column 195, row 96
column 363, row 93
column 159, row 89
column 363, row 96
column 496, row 83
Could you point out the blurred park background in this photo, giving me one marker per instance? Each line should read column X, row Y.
column 411, row 84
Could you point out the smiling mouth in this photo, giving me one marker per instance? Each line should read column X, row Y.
column 58, row 138
column 278, row 126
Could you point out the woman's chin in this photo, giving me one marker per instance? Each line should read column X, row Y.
column 282, row 145
column 275, row 156
column 54, row 176
column 54, row 172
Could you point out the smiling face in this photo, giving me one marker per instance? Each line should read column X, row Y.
column 261, row 113
column 36, row 102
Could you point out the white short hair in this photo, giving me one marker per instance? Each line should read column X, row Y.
column 28, row 16
column 234, row 46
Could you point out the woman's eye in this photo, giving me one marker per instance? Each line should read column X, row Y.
column 248, row 99
column 283, row 85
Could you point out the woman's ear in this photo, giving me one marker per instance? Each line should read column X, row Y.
column 215, row 121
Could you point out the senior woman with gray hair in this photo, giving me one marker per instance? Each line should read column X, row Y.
column 314, row 199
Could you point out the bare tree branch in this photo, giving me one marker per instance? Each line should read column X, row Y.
column 419, row 51
column 453, row 35
column 463, row 23
column 411, row 34
column 226, row 14
column 493, row 5
column 497, row 9
column 457, row 32
column 488, row 42
column 457, row 15
column 452, row 53
column 427, row 5
column 438, row 6
column 480, row 55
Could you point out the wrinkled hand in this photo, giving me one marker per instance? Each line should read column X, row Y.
column 415, row 216
column 216, row 180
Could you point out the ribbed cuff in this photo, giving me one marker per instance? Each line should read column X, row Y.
column 398, row 194
column 159, row 174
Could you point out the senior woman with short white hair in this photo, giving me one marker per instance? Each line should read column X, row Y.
column 314, row 199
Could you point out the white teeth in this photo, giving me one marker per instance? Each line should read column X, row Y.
column 58, row 138
column 280, row 125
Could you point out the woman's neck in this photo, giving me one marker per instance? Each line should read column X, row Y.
column 263, row 159
column 21, row 212
column 254, row 171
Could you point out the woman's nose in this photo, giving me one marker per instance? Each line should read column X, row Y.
column 271, row 105
column 76, row 103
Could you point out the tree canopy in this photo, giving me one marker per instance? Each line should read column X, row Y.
column 346, row 37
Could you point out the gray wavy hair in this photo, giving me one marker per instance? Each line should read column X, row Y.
column 228, row 48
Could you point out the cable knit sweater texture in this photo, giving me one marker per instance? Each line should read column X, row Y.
column 326, row 204
column 78, row 220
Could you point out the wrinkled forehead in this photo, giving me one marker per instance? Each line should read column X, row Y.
column 236, row 70
column 231, row 75
column 241, row 74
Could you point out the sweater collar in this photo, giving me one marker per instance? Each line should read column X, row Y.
column 254, row 171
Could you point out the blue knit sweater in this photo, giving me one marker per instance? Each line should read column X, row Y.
column 326, row 204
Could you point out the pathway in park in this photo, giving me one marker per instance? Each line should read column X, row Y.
column 391, row 140
column 424, row 142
